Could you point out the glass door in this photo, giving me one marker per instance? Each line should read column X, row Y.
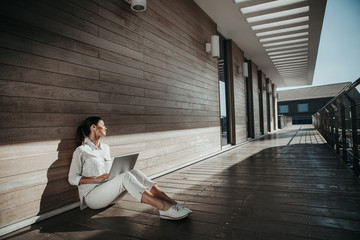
column 224, row 93
column 223, row 114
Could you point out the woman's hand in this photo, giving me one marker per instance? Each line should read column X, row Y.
column 102, row 177
column 87, row 180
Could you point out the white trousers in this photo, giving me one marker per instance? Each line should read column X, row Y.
column 134, row 181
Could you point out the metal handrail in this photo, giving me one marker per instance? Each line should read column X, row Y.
column 345, row 90
column 337, row 119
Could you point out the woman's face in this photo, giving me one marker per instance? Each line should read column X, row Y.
column 99, row 129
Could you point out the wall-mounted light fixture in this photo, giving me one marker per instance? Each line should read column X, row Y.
column 239, row 69
column 214, row 46
column 268, row 88
column 137, row 5
column 245, row 69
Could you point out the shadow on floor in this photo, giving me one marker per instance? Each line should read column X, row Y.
column 292, row 192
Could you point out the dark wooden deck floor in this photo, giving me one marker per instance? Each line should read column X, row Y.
column 287, row 185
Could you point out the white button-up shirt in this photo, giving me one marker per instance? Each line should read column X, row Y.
column 89, row 161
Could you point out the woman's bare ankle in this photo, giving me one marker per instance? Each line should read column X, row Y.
column 161, row 194
column 166, row 206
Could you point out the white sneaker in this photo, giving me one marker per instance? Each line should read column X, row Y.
column 186, row 209
column 174, row 213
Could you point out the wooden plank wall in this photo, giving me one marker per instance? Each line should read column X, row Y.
column 256, row 102
column 147, row 74
column 239, row 95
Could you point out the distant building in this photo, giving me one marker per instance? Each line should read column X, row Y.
column 302, row 103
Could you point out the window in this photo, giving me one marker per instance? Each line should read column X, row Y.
column 284, row 109
column 224, row 86
column 303, row 107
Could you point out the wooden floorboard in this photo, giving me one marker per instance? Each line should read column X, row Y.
column 287, row 185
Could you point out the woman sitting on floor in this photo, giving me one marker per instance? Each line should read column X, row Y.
column 91, row 164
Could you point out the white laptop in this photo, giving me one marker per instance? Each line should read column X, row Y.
column 122, row 164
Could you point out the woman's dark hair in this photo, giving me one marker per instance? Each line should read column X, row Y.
column 84, row 129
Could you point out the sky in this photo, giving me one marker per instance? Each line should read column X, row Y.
column 338, row 58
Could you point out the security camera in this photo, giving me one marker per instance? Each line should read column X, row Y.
column 137, row 5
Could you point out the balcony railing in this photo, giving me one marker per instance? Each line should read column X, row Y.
column 284, row 121
column 339, row 122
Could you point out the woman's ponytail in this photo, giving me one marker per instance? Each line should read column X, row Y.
column 80, row 136
column 83, row 130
